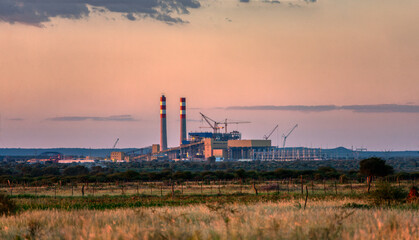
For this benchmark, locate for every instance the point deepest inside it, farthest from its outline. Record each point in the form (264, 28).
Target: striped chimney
(182, 120)
(163, 124)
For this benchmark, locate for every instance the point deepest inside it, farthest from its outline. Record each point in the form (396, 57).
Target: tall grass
(267, 220)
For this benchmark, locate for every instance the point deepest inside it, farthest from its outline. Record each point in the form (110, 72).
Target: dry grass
(283, 220)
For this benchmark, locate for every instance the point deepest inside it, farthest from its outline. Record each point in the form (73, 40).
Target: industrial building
(222, 145)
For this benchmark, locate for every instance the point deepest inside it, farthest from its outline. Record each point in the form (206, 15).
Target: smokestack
(163, 124)
(182, 120)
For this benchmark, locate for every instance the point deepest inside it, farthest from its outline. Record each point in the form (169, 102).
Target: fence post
(254, 187)
(305, 202)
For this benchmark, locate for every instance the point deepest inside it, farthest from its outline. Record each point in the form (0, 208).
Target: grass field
(323, 219)
(204, 211)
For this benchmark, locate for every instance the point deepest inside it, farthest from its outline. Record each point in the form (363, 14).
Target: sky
(82, 73)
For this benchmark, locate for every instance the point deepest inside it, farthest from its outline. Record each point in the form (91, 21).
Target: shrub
(7, 206)
(386, 193)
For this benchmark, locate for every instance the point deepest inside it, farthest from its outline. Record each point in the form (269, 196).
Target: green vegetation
(41, 174)
(77, 202)
(285, 219)
(7, 206)
(386, 193)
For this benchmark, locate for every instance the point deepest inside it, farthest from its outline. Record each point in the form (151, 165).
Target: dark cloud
(117, 118)
(244, 1)
(383, 108)
(37, 12)
(319, 108)
(16, 119)
(377, 108)
(271, 1)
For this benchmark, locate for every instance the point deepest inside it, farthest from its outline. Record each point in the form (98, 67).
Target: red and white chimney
(182, 120)
(163, 124)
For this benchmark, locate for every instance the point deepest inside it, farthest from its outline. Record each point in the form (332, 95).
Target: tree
(374, 167)
(386, 193)
(75, 170)
(211, 159)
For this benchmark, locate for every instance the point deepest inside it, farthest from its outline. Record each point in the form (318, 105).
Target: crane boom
(286, 136)
(116, 142)
(266, 137)
(236, 122)
(215, 125)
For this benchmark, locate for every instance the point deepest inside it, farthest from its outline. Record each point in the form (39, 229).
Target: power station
(199, 146)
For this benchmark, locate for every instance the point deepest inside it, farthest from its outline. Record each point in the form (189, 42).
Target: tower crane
(286, 136)
(212, 123)
(226, 122)
(116, 142)
(216, 125)
(266, 137)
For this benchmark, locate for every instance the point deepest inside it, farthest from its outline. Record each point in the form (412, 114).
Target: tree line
(51, 173)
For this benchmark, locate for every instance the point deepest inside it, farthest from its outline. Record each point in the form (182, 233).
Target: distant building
(81, 161)
(117, 156)
(155, 148)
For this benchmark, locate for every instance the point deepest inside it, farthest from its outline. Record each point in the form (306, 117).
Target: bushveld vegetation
(280, 204)
(187, 171)
(286, 219)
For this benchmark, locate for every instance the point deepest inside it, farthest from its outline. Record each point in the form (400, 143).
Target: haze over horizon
(83, 73)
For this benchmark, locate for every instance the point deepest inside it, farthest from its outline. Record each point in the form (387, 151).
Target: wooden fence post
(254, 187)
(305, 202)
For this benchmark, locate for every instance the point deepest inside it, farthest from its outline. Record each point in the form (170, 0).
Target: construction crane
(212, 123)
(286, 136)
(216, 125)
(226, 122)
(116, 142)
(266, 137)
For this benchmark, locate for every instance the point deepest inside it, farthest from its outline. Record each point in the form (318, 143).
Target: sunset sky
(82, 73)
